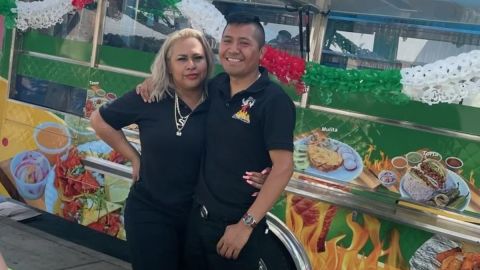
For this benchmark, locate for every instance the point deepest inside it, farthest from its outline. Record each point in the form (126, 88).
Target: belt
(203, 212)
(206, 214)
(216, 217)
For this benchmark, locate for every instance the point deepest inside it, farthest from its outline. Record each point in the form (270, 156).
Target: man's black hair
(241, 18)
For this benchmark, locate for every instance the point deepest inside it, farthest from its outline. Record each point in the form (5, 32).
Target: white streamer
(204, 16)
(444, 81)
(41, 14)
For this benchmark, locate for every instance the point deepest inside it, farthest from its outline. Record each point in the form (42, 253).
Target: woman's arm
(117, 140)
(3, 265)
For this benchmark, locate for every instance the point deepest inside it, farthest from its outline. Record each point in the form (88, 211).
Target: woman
(172, 140)
(3, 265)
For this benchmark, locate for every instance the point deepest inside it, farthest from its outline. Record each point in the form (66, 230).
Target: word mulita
(329, 129)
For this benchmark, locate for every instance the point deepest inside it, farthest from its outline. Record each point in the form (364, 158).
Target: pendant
(179, 133)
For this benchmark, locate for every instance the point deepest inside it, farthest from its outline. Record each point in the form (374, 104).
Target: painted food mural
(416, 166)
(442, 253)
(41, 165)
(67, 189)
(430, 182)
(81, 196)
(336, 238)
(318, 155)
(312, 223)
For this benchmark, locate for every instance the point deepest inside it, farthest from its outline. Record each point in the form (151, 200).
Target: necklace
(180, 120)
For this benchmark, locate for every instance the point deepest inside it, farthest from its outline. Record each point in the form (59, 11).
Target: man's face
(239, 51)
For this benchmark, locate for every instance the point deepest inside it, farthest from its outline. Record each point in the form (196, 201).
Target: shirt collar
(204, 106)
(257, 86)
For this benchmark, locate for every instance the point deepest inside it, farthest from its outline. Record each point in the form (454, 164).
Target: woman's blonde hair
(161, 80)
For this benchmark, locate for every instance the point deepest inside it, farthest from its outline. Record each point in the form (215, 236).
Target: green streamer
(383, 85)
(157, 7)
(8, 10)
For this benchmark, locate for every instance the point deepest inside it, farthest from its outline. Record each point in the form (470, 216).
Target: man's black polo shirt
(170, 164)
(240, 132)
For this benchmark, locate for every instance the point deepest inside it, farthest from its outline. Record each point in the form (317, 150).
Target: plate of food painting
(431, 183)
(439, 253)
(93, 104)
(86, 197)
(320, 156)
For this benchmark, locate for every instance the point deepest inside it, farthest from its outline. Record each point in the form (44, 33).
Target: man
(249, 127)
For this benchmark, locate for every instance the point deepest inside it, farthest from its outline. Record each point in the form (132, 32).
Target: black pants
(155, 237)
(203, 235)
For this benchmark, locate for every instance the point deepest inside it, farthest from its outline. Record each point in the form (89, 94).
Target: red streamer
(287, 68)
(79, 4)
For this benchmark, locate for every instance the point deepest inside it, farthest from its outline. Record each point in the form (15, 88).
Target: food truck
(387, 136)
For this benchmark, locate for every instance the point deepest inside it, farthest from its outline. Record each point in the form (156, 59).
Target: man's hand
(145, 90)
(233, 240)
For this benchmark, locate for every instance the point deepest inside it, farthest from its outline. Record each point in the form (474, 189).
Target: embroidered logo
(243, 115)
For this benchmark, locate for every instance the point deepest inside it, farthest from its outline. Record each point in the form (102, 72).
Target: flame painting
(310, 221)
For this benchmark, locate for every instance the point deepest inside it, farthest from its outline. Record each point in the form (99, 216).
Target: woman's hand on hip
(256, 179)
(135, 169)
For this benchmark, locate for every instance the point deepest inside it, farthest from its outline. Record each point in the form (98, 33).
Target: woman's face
(187, 64)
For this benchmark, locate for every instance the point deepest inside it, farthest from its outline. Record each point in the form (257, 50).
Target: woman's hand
(256, 179)
(145, 90)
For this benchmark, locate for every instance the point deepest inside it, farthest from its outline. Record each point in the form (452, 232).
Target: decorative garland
(41, 14)
(156, 7)
(46, 13)
(79, 4)
(444, 81)
(288, 69)
(383, 84)
(447, 81)
(8, 9)
(204, 16)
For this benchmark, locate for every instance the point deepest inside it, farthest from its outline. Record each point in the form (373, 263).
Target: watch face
(249, 220)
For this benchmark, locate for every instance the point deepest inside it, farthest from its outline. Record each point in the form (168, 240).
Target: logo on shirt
(243, 115)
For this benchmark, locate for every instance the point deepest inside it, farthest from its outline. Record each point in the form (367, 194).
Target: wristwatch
(249, 220)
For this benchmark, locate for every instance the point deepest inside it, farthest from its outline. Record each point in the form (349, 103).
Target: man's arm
(236, 235)
(282, 170)
(145, 90)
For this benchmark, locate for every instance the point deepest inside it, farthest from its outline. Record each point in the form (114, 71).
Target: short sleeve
(123, 111)
(279, 123)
